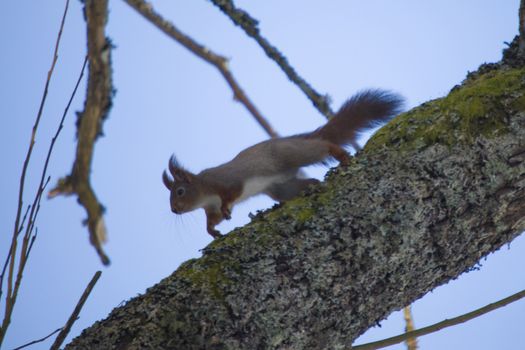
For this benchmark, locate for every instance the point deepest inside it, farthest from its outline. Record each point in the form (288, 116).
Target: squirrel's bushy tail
(364, 110)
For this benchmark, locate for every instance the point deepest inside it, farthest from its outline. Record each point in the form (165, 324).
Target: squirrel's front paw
(214, 233)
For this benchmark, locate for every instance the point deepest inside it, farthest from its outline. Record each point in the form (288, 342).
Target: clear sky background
(169, 101)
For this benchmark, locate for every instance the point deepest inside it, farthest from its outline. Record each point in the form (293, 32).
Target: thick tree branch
(219, 62)
(249, 24)
(433, 192)
(89, 124)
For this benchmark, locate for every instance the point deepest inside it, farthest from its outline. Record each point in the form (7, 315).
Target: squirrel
(273, 166)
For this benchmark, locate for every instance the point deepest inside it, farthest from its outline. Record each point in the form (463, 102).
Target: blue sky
(168, 101)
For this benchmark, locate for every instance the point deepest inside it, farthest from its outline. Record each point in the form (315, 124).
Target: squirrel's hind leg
(290, 189)
(339, 153)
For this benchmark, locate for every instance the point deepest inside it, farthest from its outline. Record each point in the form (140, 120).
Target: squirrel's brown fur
(272, 167)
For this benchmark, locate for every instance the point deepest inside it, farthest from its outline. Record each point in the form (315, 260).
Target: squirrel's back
(277, 156)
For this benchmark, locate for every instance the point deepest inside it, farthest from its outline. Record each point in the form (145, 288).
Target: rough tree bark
(434, 191)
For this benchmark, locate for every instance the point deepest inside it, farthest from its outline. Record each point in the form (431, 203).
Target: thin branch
(440, 325)
(250, 26)
(61, 124)
(74, 315)
(29, 239)
(39, 340)
(37, 121)
(22, 223)
(7, 259)
(220, 62)
(96, 109)
(32, 241)
(409, 327)
(12, 294)
(34, 214)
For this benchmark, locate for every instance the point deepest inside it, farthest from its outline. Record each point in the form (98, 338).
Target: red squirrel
(273, 167)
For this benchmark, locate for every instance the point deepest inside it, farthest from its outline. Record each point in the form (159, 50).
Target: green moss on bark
(475, 109)
(211, 275)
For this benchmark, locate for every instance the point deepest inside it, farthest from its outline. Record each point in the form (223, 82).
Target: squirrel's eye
(180, 191)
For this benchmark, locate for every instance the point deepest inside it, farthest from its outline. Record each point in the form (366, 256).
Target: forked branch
(218, 61)
(15, 264)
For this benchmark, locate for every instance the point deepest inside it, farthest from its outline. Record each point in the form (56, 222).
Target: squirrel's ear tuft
(167, 180)
(177, 171)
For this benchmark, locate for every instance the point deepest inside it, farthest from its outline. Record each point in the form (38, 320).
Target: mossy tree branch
(433, 192)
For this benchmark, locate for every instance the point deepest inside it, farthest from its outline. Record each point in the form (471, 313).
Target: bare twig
(440, 325)
(10, 250)
(22, 223)
(96, 109)
(38, 340)
(74, 315)
(409, 327)
(220, 62)
(32, 241)
(61, 124)
(250, 27)
(72, 319)
(28, 238)
(12, 291)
